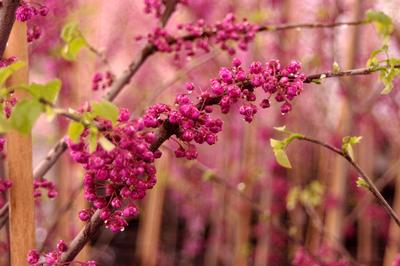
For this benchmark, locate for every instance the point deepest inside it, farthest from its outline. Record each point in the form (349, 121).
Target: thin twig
(351, 72)
(374, 190)
(164, 133)
(92, 227)
(57, 220)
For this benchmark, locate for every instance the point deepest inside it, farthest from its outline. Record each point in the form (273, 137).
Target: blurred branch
(7, 19)
(170, 6)
(280, 27)
(4, 215)
(371, 186)
(57, 220)
(311, 25)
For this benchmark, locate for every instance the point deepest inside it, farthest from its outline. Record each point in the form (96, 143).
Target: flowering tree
(119, 145)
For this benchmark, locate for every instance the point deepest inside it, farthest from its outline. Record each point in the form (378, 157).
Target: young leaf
(48, 91)
(4, 123)
(25, 114)
(276, 144)
(335, 67)
(383, 22)
(72, 48)
(280, 129)
(74, 41)
(312, 194)
(75, 130)
(373, 60)
(92, 139)
(105, 110)
(292, 197)
(106, 144)
(347, 143)
(6, 72)
(387, 76)
(362, 183)
(207, 175)
(70, 31)
(50, 113)
(281, 158)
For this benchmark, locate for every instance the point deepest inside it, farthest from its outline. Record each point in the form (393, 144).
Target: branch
(346, 73)
(374, 190)
(147, 51)
(311, 25)
(7, 19)
(57, 220)
(163, 134)
(279, 27)
(169, 9)
(4, 215)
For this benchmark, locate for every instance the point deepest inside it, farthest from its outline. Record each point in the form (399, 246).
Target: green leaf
(347, 143)
(383, 22)
(316, 81)
(75, 130)
(312, 194)
(6, 72)
(352, 139)
(74, 41)
(335, 67)
(373, 60)
(48, 91)
(72, 48)
(362, 183)
(281, 158)
(105, 110)
(92, 139)
(70, 31)
(207, 175)
(276, 144)
(25, 114)
(387, 76)
(280, 129)
(106, 144)
(50, 113)
(292, 197)
(5, 124)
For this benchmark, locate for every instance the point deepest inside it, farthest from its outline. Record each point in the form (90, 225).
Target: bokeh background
(235, 205)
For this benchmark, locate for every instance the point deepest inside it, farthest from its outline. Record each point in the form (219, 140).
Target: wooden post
(19, 165)
(151, 219)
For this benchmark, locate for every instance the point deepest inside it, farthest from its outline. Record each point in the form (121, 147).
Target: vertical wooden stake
(19, 165)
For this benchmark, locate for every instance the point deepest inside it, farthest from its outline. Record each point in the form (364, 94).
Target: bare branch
(374, 190)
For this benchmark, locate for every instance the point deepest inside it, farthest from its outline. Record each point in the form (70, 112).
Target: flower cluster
(53, 257)
(42, 183)
(102, 80)
(284, 83)
(8, 102)
(234, 85)
(26, 11)
(157, 6)
(195, 124)
(199, 36)
(4, 186)
(33, 33)
(115, 179)
(7, 61)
